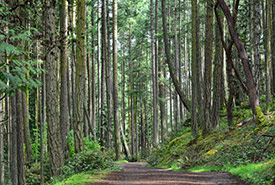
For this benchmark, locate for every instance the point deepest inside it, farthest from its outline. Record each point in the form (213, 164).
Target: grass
(85, 177)
(204, 168)
(121, 161)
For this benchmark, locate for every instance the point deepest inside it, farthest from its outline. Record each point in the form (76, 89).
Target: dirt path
(138, 173)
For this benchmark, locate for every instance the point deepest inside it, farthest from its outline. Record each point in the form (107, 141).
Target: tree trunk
(99, 69)
(64, 113)
(131, 88)
(268, 52)
(54, 135)
(20, 138)
(256, 38)
(153, 64)
(171, 66)
(273, 47)
(92, 103)
(176, 54)
(26, 128)
(80, 78)
(217, 80)
(162, 102)
(2, 172)
(103, 66)
(194, 114)
(14, 171)
(108, 81)
(155, 85)
(181, 111)
(118, 146)
(208, 65)
(123, 114)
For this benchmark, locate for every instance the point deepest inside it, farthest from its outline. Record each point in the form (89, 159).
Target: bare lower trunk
(64, 113)
(2, 172)
(20, 138)
(14, 172)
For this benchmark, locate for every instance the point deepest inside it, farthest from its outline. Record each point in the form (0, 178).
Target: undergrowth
(234, 151)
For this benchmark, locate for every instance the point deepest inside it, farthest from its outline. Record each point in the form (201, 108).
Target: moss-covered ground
(232, 150)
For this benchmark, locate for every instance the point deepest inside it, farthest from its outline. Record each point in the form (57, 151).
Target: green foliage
(15, 71)
(36, 147)
(90, 159)
(84, 178)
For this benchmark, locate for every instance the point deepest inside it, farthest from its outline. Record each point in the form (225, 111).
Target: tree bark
(108, 81)
(2, 166)
(92, 105)
(217, 80)
(131, 94)
(79, 77)
(153, 64)
(268, 53)
(99, 68)
(118, 146)
(256, 38)
(64, 113)
(26, 127)
(208, 65)
(176, 54)
(54, 135)
(194, 113)
(14, 171)
(20, 138)
(103, 66)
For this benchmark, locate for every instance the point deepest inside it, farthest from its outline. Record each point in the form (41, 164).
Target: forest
(87, 86)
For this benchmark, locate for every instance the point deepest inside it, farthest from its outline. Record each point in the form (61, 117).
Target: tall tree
(103, 66)
(118, 146)
(268, 52)
(217, 74)
(208, 64)
(108, 71)
(256, 39)
(131, 134)
(79, 79)
(93, 92)
(251, 88)
(153, 61)
(194, 115)
(54, 134)
(64, 112)
(99, 68)
(171, 65)
(176, 54)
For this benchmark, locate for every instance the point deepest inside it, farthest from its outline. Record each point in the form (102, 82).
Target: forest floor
(138, 173)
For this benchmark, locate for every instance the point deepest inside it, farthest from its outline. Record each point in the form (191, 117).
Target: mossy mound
(235, 151)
